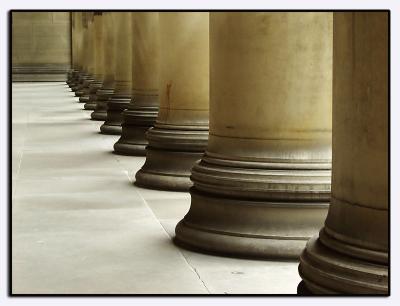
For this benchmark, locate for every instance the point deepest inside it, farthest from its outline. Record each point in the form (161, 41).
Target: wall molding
(40, 72)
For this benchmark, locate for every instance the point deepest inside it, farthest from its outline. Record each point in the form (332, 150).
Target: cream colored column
(143, 109)
(108, 45)
(76, 48)
(98, 55)
(263, 186)
(83, 55)
(90, 58)
(179, 136)
(350, 256)
(123, 74)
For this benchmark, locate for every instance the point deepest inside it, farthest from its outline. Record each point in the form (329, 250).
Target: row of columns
(238, 107)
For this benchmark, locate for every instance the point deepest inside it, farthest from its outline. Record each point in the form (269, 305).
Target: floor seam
(195, 271)
(20, 159)
(180, 252)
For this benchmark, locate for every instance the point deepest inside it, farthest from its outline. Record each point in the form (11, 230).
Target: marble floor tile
(80, 225)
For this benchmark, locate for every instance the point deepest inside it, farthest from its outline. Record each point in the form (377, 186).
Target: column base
(83, 89)
(84, 98)
(110, 129)
(248, 228)
(115, 106)
(79, 83)
(79, 93)
(72, 75)
(102, 97)
(249, 208)
(303, 290)
(74, 79)
(136, 121)
(170, 156)
(90, 104)
(167, 170)
(99, 115)
(326, 271)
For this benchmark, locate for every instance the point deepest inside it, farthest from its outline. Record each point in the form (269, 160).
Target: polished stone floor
(79, 225)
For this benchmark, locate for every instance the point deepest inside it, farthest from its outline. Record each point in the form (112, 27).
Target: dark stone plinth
(83, 88)
(137, 119)
(84, 98)
(325, 270)
(303, 290)
(170, 155)
(254, 209)
(115, 106)
(90, 104)
(77, 83)
(72, 77)
(100, 112)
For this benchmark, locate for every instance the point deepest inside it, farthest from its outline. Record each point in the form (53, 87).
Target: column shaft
(88, 63)
(98, 56)
(82, 55)
(72, 75)
(91, 60)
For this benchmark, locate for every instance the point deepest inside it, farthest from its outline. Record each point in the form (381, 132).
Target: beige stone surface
(85, 42)
(91, 50)
(77, 40)
(271, 85)
(109, 48)
(123, 52)
(360, 139)
(41, 38)
(184, 75)
(145, 53)
(358, 176)
(98, 50)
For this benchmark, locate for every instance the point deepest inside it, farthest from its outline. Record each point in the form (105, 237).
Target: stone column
(75, 45)
(350, 256)
(143, 109)
(123, 74)
(180, 134)
(84, 74)
(98, 56)
(263, 186)
(106, 91)
(90, 58)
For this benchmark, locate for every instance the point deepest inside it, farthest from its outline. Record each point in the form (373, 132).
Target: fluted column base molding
(103, 96)
(170, 156)
(83, 89)
(69, 77)
(90, 104)
(87, 90)
(324, 270)
(84, 98)
(78, 83)
(72, 77)
(254, 209)
(137, 119)
(115, 106)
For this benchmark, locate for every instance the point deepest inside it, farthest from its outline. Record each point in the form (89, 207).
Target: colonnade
(250, 111)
